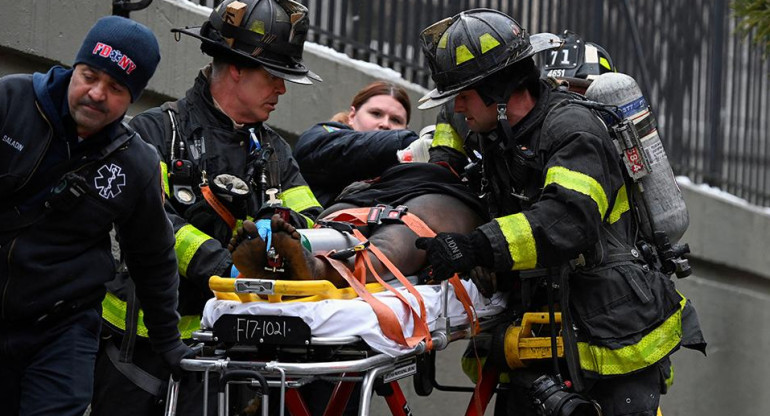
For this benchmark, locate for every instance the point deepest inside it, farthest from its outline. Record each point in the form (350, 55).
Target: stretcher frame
(375, 371)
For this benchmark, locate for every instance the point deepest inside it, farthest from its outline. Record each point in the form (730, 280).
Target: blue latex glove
(265, 232)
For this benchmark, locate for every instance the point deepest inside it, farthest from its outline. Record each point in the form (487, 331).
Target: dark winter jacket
(208, 140)
(557, 192)
(55, 232)
(333, 155)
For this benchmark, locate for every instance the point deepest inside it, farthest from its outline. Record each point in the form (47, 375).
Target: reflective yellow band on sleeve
(445, 135)
(578, 182)
(299, 198)
(621, 205)
(164, 177)
(310, 222)
(521, 242)
(188, 240)
(114, 312)
(650, 349)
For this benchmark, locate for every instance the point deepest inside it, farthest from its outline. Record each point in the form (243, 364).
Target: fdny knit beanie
(124, 49)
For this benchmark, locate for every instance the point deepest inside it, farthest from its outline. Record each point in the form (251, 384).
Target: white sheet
(336, 318)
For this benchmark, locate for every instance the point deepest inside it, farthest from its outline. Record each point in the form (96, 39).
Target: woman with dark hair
(357, 144)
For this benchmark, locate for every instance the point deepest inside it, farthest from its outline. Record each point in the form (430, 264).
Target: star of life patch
(109, 180)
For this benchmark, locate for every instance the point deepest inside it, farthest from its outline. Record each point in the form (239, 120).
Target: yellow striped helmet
(468, 47)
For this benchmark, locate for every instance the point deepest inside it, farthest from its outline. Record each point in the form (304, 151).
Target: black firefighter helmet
(468, 47)
(577, 59)
(271, 34)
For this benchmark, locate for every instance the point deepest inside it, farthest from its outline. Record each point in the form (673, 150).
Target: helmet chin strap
(499, 93)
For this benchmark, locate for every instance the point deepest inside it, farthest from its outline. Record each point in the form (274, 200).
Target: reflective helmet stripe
(521, 243)
(299, 198)
(578, 182)
(188, 240)
(488, 42)
(621, 205)
(446, 136)
(650, 349)
(114, 312)
(605, 63)
(463, 54)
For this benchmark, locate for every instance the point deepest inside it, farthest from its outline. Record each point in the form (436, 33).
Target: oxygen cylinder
(322, 240)
(663, 207)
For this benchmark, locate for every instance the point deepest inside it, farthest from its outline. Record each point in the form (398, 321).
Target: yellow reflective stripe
(650, 349)
(258, 27)
(670, 378)
(578, 182)
(164, 177)
(488, 42)
(188, 240)
(114, 312)
(310, 222)
(299, 198)
(605, 63)
(443, 41)
(621, 205)
(470, 366)
(521, 242)
(445, 135)
(463, 54)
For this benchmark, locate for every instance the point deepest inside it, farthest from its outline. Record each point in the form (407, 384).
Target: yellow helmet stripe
(463, 54)
(488, 42)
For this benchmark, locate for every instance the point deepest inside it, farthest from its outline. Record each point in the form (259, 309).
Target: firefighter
(551, 180)
(70, 172)
(224, 165)
(357, 144)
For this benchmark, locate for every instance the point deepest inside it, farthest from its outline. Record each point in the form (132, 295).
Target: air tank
(323, 240)
(662, 204)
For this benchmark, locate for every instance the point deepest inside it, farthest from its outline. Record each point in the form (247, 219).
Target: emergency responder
(223, 163)
(357, 144)
(70, 171)
(573, 70)
(553, 184)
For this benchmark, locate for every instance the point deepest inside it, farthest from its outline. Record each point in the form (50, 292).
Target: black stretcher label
(262, 330)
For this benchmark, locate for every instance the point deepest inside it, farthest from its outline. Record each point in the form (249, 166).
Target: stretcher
(253, 334)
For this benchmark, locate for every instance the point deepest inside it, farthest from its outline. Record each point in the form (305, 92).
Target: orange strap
(358, 216)
(218, 207)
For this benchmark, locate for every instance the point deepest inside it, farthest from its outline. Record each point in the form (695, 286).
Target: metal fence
(708, 87)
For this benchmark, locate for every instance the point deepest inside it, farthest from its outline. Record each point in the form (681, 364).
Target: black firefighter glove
(173, 358)
(450, 253)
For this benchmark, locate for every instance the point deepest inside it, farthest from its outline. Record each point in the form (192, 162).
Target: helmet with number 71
(577, 59)
(468, 47)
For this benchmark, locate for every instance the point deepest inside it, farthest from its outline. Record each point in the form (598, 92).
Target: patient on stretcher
(430, 192)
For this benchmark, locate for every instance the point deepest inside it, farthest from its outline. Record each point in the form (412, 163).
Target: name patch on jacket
(13, 143)
(109, 180)
(106, 51)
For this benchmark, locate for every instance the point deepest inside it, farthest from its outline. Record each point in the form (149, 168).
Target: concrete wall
(36, 33)
(729, 239)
